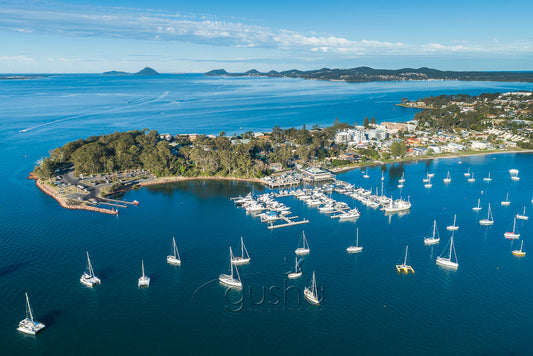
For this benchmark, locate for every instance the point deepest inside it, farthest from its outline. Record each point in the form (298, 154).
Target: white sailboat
(487, 179)
(428, 183)
(366, 174)
(471, 179)
(243, 258)
(28, 325)
(512, 234)
(356, 248)
(489, 220)
(402, 180)
(435, 238)
(448, 258)
(382, 176)
(311, 292)
(427, 179)
(174, 257)
(453, 227)
(431, 175)
(522, 216)
(297, 271)
(477, 207)
(520, 252)
(467, 174)
(232, 280)
(144, 281)
(514, 175)
(302, 249)
(88, 278)
(448, 179)
(404, 267)
(506, 202)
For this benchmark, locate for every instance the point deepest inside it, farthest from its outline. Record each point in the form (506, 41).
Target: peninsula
(367, 74)
(83, 174)
(144, 71)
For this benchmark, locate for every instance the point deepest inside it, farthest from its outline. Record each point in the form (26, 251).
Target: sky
(182, 36)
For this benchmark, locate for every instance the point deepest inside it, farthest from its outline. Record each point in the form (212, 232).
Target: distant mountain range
(144, 71)
(367, 74)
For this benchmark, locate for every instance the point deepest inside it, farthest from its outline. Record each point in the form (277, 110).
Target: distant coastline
(367, 74)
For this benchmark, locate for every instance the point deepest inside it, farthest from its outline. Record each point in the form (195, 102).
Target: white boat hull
(452, 228)
(485, 222)
(229, 281)
(240, 261)
(511, 235)
(516, 179)
(476, 208)
(522, 217)
(173, 261)
(505, 203)
(89, 281)
(310, 297)
(431, 241)
(29, 327)
(144, 282)
(354, 249)
(302, 251)
(446, 180)
(294, 275)
(444, 262)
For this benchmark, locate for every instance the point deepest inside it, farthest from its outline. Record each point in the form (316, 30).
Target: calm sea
(485, 307)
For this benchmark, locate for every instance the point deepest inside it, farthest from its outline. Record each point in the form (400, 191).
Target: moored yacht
(232, 280)
(356, 248)
(243, 258)
(448, 258)
(28, 325)
(88, 278)
(302, 249)
(174, 257)
(453, 227)
(435, 238)
(311, 292)
(144, 281)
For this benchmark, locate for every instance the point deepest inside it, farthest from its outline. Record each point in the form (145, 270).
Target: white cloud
(152, 25)
(16, 59)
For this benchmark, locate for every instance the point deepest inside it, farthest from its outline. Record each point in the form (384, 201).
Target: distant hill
(367, 74)
(115, 72)
(144, 71)
(216, 72)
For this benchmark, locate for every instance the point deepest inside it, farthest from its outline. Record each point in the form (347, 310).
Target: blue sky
(196, 36)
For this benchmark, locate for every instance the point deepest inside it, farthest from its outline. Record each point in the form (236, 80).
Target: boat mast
(434, 227)
(357, 238)
(91, 272)
(142, 264)
(451, 247)
(28, 309)
(405, 260)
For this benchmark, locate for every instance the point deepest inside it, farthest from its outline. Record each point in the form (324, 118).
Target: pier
(289, 222)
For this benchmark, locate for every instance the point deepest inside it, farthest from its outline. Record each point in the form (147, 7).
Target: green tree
(366, 124)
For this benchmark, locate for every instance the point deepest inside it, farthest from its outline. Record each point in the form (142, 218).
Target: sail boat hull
(354, 249)
(143, 282)
(452, 228)
(237, 260)
(511, 235)
(310, 297)
(302, 251)
(173, 260)
(294, 275)
(229, 281)
(444, 262)
(431, 241)
(88, 280)
(29, 327)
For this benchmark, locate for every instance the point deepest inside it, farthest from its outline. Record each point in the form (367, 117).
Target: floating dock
(289, 222)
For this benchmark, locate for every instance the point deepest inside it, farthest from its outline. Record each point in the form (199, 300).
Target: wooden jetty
(289, 222)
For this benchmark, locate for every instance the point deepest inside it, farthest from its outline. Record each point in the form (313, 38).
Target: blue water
(482, 308)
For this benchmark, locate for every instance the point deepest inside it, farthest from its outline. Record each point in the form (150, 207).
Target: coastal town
(84, 174)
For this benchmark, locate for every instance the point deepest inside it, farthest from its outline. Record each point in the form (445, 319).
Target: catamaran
(489, 220)
(478, 207)
(356, 248)
(243, 258)
(28, 325)
(88, 278)
(448, 259)
(402, 180)
(520, 252)
(435, 238)
(144, 281)
(512, 234)
(404, 267)
(453, 227)
(311, 293)
(522, 216)
(506, 202)
(487, 179)
(471, 179)
(297, 271)
(232, 280)
(174, 257)
(448, 179)
(467, 174)
(302, 249)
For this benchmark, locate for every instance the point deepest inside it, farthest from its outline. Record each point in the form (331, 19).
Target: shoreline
(63, 203)
(414, 159)
(164, 180)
